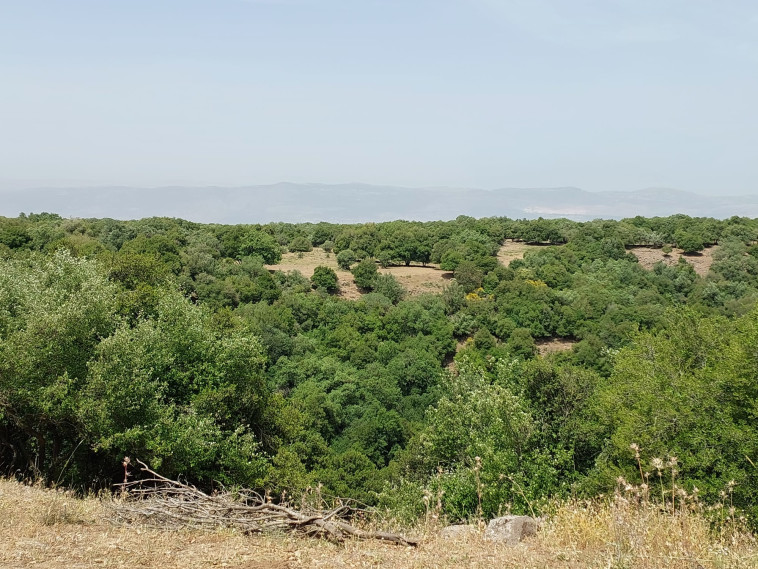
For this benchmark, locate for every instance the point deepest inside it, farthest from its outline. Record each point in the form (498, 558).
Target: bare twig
(161, 502)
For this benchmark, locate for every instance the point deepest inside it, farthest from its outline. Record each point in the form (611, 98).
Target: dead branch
(158, 501)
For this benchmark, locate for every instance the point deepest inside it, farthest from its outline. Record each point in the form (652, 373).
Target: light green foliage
(53, 313)
(687, 391)
(481, 428)
(175, 392)
(167, 390)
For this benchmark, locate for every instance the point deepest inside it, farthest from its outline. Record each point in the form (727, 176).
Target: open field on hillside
(419, 279)
(44, 528)
(416, 279)
(649, 256)
(551, 345)
(511, 250)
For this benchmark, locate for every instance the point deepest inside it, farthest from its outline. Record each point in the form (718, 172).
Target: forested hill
(349, 203)
(181, 344)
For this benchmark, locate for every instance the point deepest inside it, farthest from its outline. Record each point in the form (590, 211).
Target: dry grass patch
(306, 263)
(621, 533)
(552, 345)
(416, 279)
(511, 250)
(649, 256)
(419, 280)
(593, 534)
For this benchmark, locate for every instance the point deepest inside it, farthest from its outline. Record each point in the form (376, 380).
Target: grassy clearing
(649, 256)
(46, 528)
(511, 250)
(551, 345)
(416, 279)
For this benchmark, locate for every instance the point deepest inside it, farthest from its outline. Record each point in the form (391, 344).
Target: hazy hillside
(345, 203)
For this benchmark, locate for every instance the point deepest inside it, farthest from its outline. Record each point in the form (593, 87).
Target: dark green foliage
(239, 241)
(175, 343)
(468, 275)
(689, 242)
(14, 233)
(325, 279)
(521, 343)
(345, 258)
(388, 286)
(301, 244)
(365, 274)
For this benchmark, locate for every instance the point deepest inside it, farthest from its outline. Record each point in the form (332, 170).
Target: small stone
(510, 529)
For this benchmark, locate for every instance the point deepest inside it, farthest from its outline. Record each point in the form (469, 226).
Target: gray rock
(459, 531)
(510, 529)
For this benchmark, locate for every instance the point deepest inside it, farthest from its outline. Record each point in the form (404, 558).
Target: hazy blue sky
(605, 94)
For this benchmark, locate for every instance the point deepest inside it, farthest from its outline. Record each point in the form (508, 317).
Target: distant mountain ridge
(357, 203)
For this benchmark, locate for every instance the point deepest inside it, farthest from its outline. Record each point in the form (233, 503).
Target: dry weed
(614, 533)
(628, 533)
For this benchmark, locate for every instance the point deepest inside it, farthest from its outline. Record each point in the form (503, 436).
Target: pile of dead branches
(168, 504)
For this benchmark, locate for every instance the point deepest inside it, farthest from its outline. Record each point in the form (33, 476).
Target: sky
(601, 95)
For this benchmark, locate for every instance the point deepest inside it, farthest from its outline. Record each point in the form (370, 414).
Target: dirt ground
(649, 256)
(416, 279)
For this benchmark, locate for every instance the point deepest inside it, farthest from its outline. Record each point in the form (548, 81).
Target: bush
(384, 258)
(324, 279)
(345, 258)
(300, 244)
(521, 343)
(388, 286)
(468, 275)
(689, 243)
(365, 274)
